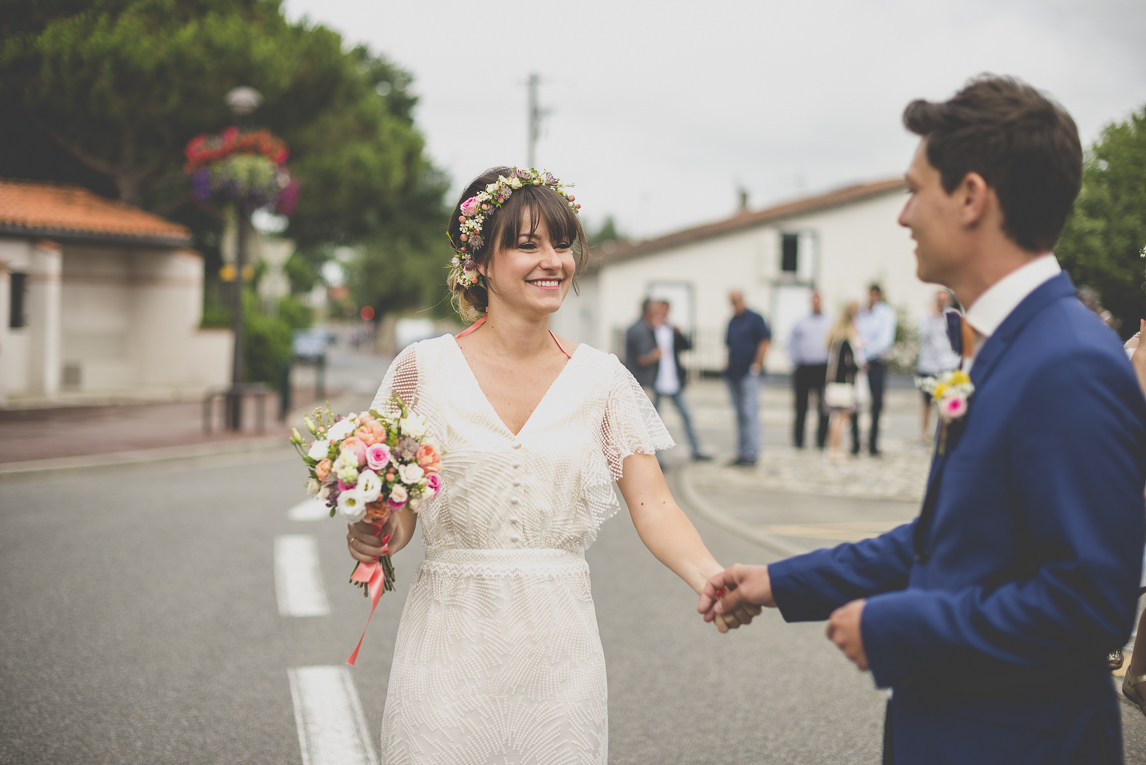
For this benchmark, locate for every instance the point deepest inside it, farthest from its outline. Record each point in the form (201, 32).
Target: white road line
(309, 510)
(298, 582)
(331, 727)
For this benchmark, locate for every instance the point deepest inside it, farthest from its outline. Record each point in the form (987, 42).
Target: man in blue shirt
(808, 349)
(747, 339)
(876, 327)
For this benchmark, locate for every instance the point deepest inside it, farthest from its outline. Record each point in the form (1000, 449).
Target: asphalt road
(139, 624)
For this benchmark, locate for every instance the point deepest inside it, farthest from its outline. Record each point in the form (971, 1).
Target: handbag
(838, 395)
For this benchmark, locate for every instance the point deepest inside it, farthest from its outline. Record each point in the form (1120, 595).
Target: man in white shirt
(876, 326)
(670, 376)
(808, 350)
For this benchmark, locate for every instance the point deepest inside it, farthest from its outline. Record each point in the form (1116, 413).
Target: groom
(991, 614)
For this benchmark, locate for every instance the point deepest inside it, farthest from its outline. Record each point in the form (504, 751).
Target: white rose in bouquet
(340, 430)
(313, 486)
(369, 485)
(351, 506)
(413, 426)
(410, 474)
(318, 450)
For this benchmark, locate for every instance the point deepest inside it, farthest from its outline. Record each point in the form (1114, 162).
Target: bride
(498, 658)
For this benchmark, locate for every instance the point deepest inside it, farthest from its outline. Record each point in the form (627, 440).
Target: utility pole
(536, 114)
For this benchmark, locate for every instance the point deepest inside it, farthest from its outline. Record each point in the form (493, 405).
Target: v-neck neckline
(493, 410)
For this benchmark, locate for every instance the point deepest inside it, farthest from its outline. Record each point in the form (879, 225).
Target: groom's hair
(1024, 145)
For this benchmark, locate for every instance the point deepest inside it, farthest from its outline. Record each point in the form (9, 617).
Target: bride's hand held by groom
(737, 589)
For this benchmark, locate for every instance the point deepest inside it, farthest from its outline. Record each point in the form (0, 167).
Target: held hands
(742, 590)
(734, 596)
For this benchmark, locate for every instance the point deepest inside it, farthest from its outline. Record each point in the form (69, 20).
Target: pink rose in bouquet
(428, 458)
(353, 450)
(371, 433)
(377, 456)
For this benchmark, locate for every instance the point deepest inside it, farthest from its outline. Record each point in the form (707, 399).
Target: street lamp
(242, 102)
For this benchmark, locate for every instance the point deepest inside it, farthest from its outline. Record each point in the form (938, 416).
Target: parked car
(310, 344)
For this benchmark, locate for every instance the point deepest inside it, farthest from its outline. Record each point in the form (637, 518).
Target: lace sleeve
(631, 424)
(401, 379)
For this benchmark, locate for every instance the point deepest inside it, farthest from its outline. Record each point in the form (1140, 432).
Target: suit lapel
(993, 349)
(998, 343)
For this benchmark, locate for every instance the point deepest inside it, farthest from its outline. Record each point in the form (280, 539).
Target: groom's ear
(975, 199)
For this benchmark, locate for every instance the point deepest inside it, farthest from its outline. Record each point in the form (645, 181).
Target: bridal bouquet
(365, 466)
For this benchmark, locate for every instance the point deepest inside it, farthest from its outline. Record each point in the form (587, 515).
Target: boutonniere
(950, 391)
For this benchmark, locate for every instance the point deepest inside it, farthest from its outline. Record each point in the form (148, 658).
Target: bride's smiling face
(534, 275)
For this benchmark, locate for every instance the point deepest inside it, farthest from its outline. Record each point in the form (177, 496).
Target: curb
(143, 456)
(248, 445)
(702, 507)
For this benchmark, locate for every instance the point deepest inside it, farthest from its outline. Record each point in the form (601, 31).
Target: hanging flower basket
(247, 169)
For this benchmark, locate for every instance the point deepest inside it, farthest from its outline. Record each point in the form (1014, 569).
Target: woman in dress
(840, 391)
(498, 657)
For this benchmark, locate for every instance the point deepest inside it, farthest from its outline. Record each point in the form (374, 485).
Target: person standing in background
(641, 351)
(935, 354)
(808, 350)
(748, 338)
(671, 376)
(876, 326)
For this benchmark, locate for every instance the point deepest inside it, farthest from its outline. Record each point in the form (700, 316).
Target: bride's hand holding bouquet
(368, 467)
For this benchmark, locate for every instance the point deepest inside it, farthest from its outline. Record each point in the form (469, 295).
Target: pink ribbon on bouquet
(371, 575)
(374, 578)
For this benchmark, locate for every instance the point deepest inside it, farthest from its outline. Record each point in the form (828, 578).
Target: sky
(659, 112)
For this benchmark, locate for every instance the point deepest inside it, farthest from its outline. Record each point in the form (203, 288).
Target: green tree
(108, 92)
(1104, 240)
(607, 232)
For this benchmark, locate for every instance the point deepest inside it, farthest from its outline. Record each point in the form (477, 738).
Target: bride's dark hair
(504, 227)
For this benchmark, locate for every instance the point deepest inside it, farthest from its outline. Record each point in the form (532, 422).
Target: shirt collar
(1004, 296)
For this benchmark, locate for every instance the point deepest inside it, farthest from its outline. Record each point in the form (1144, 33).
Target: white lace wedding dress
(498, 657)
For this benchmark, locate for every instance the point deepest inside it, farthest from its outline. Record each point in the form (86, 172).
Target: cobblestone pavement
(900, 474)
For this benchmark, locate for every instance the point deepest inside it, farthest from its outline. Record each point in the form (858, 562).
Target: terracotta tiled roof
(72, 212)
(743, 220)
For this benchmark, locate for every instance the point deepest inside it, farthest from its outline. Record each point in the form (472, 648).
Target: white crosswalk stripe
(331, 726)
(309, 510)
(298, 579)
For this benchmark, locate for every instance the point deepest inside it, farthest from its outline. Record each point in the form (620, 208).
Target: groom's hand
(844, 630)
(735, 589)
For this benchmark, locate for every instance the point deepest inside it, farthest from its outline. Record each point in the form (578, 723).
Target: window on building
(16, 300)
(789, 253)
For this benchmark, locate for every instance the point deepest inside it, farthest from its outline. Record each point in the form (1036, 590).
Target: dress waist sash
(502, 563)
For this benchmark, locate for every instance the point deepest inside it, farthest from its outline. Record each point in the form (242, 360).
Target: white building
(836, 243)
(97, 296)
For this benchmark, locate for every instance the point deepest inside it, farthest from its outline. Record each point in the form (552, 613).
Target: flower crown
(476, 209)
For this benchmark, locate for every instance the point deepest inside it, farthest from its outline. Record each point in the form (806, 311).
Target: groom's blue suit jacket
(991, 614)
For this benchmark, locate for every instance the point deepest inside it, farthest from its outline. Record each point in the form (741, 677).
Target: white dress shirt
(808, 343)
(1004, 296)
(876, 327)
(667, 382)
